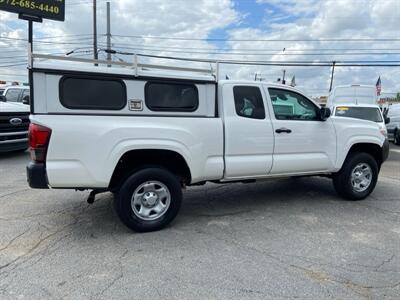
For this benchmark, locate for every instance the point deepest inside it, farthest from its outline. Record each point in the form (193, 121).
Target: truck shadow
(220, 201)
(224, 200)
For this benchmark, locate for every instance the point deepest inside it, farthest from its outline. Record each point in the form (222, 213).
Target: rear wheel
(149, 199)
(358, 176)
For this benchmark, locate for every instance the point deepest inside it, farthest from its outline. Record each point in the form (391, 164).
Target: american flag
(378, 86)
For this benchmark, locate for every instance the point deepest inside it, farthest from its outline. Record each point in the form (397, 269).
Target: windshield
(364, 113)
(1, 91)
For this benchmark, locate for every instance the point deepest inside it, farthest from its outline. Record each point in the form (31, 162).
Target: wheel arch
(372, 149)
(136, 159)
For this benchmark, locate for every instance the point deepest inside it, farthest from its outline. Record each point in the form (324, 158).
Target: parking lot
(278, 239)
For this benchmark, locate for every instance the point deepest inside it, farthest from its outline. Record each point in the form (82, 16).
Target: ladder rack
(136, 66)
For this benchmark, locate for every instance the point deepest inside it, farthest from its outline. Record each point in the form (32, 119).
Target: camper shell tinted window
(92, 93)
(171, 96)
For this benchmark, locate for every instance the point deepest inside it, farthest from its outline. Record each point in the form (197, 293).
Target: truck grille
(15, 131)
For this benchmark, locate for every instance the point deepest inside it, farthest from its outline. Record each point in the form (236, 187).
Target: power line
(353, 63)
(88, 37)
(14, 75)
(64, 36)
(265, 53)
(218, 51)
(260, 40)
(258, 49)
(14, 65)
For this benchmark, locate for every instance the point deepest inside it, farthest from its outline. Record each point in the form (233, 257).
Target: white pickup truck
(146, 135)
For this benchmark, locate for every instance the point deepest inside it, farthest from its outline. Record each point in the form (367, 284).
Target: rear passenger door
(249, 138)
(303, 143)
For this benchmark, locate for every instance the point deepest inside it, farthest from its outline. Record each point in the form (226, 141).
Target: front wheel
(149, 199)
(357, 178)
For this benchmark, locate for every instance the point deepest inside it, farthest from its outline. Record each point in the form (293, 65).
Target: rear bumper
(385, 150)
(36, 174)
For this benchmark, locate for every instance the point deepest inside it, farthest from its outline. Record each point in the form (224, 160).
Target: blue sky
(253, 14)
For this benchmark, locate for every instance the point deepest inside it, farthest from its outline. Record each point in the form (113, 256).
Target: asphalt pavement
(278, 239)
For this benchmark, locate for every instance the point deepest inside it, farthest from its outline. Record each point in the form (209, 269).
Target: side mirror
(387, 120)
(3, 98)
(324, 113)
(26, 100)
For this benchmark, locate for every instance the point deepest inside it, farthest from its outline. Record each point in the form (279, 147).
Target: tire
(396, 137)
(355, 165)
(149, 199)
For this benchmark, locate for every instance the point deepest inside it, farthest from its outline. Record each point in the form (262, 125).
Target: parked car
(393, 126)
(14, 124)
(19, 94)
(145, 135)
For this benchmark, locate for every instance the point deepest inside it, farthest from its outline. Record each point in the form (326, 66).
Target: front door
(303, 143)
(249, 139)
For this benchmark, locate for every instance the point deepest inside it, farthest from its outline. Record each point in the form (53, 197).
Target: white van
(353, 94)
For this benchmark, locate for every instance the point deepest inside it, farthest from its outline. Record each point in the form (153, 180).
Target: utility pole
(108, 34)
(95, 54)
(333, 71)
(30, 72)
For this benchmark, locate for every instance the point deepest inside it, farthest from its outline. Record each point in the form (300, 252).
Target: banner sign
(46, 9)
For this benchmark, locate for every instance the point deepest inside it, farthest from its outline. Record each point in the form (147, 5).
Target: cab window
(249, 102)
(290, 105)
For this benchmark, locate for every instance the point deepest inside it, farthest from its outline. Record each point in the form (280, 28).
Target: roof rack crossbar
(135, 65)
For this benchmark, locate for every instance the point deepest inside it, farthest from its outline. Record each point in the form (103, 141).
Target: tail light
(39, 137)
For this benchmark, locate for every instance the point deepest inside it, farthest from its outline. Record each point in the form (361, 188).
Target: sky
(255, 30)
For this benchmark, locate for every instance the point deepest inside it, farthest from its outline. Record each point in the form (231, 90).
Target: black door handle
(281, 130)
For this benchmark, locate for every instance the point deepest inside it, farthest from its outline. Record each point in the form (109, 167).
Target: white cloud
(284, 19)
(329, 19)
